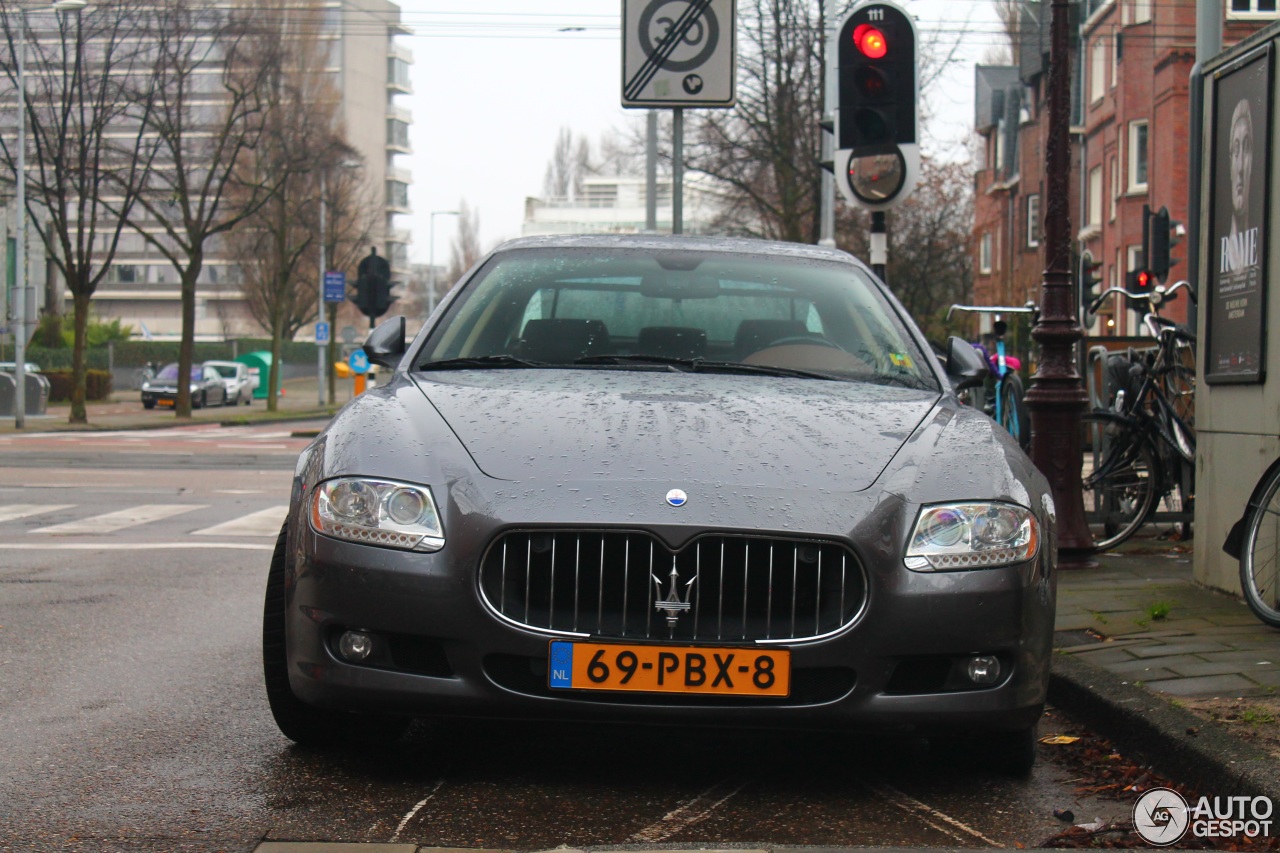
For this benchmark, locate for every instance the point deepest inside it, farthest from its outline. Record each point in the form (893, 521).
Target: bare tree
(208, 112)
(930, 265)
(570, 163)
(765, 150)
(465, 250)
(89, 97)
(300, 140)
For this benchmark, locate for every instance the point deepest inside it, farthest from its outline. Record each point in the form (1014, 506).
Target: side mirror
(385, 344)
(964, 364)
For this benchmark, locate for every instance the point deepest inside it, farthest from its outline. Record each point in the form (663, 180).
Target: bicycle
(1255, 541)
(1140, 452)
(1002, 397)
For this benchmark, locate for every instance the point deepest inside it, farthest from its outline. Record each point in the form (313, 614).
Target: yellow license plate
(165, 402)
(731, 671)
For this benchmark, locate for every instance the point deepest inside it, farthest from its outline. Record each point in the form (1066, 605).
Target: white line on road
(119, 520)
(925, 812)
(136, 546)
(413, 811)
(688, 814)
(264, 522)
(16, 511)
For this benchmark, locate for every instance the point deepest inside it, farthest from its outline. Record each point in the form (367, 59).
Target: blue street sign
(322, 333)
(359, 362)
(335, 286)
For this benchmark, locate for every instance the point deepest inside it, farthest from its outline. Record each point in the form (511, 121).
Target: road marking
(688, 814)
(237, 491)
(16, 511)
(136, 546)
(925, 812)
(112, 521)
(264, 522)
(413, 811)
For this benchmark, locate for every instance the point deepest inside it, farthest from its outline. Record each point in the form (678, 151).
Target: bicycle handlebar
(1155, 297)
(1029, 308)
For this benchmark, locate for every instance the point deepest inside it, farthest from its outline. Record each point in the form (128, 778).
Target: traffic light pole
(879, 245)
(677, 170)
(1057, 396)
(320, 313)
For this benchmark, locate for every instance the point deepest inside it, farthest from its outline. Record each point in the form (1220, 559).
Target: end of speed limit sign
(678, 53)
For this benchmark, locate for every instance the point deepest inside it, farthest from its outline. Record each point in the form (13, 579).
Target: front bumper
(451, 656)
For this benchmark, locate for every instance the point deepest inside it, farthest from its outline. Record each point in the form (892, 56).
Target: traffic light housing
(1160, 234)
(373, 296)
(877, 158)
(1090, 278)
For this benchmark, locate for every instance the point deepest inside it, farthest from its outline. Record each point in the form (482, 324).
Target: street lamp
(20, 255)
(431, 258)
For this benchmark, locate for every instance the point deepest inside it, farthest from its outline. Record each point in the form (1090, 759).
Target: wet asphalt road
(132, 719)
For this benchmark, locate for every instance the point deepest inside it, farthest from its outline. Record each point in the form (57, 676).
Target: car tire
(307, 725)
(198, 402)
(148, 404)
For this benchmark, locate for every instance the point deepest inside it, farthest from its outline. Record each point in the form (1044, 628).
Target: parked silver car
(236, 379)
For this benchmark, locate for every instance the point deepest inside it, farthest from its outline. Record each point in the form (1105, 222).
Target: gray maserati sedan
(688, 481)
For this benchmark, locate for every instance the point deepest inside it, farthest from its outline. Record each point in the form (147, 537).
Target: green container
(259, 365)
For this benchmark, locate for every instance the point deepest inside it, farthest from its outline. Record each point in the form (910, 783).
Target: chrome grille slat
(526, 577)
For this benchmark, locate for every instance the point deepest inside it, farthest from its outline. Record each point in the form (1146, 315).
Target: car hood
(584, 426)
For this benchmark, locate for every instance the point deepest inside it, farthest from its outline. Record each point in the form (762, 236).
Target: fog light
(984, 669)
(356, 645)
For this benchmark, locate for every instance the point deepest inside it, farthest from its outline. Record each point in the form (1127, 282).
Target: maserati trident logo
(677, 497)
(673, 605)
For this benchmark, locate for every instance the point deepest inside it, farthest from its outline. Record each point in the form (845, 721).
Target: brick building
(1130, 113)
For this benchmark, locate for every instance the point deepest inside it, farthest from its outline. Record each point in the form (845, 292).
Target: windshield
(226, 371)
(612, 308)
(170, 373)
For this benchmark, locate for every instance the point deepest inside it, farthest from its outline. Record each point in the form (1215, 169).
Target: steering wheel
(804, 339)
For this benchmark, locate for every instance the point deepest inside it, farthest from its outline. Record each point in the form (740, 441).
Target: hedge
(139, 353)
(97, 385)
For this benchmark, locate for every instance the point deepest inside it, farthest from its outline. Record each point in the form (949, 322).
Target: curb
(1198, 752)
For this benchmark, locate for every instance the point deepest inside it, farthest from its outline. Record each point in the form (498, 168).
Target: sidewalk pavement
(1137, 637)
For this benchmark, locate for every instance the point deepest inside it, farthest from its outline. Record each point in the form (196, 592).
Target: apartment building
(1129, 137)
(369, 68)
(617, 205)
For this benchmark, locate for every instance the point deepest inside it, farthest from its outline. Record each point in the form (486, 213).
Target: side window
(813, 321)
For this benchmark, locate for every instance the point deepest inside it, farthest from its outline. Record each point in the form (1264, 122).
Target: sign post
(335, 286)
(677, 54)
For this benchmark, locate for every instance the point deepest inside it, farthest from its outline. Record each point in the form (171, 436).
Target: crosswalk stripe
(120, 519)
(15, 511)
(265, 522)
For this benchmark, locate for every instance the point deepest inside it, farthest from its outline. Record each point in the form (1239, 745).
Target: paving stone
(1250, 657)
(1137, 670)
(1159, 650)
(1206, 685)
(1204, 667)
(332, 847)
(1101, 654)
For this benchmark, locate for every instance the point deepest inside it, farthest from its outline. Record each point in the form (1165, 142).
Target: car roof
(226, 364)
(662, 242)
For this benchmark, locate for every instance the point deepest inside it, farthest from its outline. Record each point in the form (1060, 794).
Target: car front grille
(628, 585)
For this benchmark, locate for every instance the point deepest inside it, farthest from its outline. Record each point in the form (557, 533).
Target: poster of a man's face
(1241, 149)
(1238, 220)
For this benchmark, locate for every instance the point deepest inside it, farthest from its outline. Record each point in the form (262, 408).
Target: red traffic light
(1144, 279)
(870, 41)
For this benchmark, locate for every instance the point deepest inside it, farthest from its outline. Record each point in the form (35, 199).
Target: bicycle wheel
(1013, 410)
(1119, 478)
(1259, 566)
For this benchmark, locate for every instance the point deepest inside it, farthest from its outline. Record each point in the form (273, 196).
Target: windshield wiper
(701, 365)
(481, 361)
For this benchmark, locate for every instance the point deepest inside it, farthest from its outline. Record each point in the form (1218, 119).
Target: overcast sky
(495, 80)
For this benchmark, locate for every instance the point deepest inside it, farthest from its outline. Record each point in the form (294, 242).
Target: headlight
(377, 512)
(949, 537)
(146, 386)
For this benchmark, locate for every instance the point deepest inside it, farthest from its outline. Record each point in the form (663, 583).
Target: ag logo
(1160, 816)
